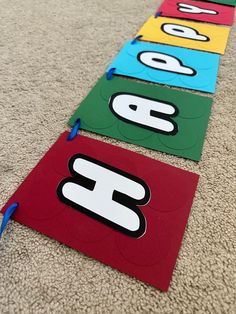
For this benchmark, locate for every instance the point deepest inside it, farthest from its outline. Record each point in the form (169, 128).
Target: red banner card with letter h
(124, 209)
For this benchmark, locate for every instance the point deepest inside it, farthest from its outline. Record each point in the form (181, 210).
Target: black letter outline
(166, 54)
(207, 38)
(118, 197)
(178, 8)
(159, 115)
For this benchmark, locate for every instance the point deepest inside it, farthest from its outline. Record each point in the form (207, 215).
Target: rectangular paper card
(227, 2)
(199, 11)
(128, 212)
(159, 118)
(168, 65)
(175, 32)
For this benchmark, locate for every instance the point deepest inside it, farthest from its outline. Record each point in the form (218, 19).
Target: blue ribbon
(135, 39)
(74, 130)
(158, 14)
(110, 73)
(6, 217)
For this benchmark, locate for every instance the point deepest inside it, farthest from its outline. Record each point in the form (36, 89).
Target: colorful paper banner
(169, 65)
(119, 207)
(159, 118)
(199, 11)
(128, 212)
(199, 36)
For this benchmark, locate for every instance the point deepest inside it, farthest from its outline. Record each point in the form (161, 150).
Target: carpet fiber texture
(52, 53)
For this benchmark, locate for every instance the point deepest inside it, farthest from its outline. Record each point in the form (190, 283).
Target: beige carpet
(51, 54)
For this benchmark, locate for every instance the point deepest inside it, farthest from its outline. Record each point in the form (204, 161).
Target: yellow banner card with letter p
(193, 35)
